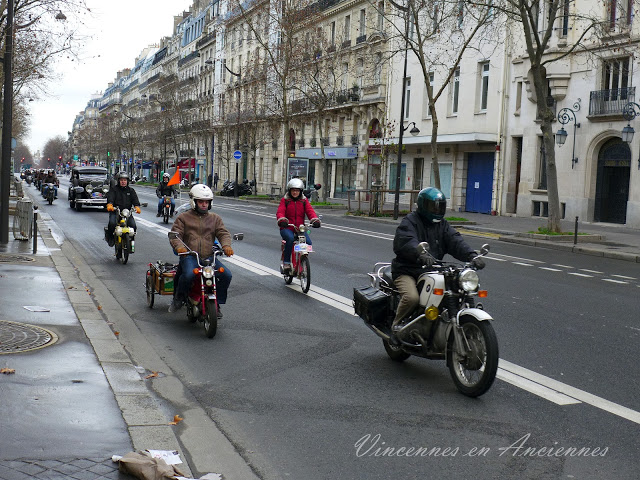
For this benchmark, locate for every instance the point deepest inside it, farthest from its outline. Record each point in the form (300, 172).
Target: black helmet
(432, 204)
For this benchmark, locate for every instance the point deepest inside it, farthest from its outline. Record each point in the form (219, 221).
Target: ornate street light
(565, 116)
(630, 111)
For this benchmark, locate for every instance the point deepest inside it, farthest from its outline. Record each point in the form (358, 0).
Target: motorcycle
(447, 325)
(50, 192)
(308, 192)
(202, 304)
(166, 208)
(123, 235)
(229, 186)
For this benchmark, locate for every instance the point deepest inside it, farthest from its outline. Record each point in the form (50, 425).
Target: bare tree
(53, 149)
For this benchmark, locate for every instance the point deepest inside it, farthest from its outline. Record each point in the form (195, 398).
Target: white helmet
(200, 192)
(166, 176)
(295, 183)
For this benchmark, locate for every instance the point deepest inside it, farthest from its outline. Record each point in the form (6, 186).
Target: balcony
(312, 142)
(325, 141)
(354, 140)
(301, 143)
(346, 43)
(340, 140)
(610, 102)
(361, 39)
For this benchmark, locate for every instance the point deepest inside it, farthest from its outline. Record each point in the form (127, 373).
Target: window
(407, 98)
(377, 74)
(518, 97)
(363, 22)
(393, 174)
(542, 166)
(620, 14)
(333, 33)
(455, 91)
(460, 13)
(224, 70)
(425, 106)
(380, 16)
(484, 85)
(359, 72)
(564, 30)
(347, 28)
(616, 78)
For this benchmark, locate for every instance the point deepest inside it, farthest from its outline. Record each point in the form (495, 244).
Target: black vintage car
(89, 187)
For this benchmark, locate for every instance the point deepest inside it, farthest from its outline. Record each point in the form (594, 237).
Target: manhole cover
(21, 337)
(15, 258)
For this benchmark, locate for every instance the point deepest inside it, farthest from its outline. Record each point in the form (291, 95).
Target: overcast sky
(119, 30)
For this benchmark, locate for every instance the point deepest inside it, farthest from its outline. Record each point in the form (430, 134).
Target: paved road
(303, 390)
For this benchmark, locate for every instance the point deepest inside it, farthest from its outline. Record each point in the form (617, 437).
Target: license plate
(96, 195)
(303, 247)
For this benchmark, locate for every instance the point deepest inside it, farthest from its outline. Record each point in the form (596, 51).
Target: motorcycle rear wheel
(150, 291)
(50, 200)
(304, 272)
(474, 374)
(165, 215)
(395, 353)
(210, 319)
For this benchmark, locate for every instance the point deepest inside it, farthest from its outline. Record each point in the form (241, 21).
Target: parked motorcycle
(229, 186)
(202, 303)
(447, 325)
(123, 235)
(308, 192)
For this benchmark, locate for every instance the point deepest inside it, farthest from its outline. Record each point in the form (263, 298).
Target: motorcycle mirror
(238, 236)
(423, 247)
(317, 186)
(484, 249)
(173, 235)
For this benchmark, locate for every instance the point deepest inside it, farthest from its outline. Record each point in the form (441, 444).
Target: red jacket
(295, 210)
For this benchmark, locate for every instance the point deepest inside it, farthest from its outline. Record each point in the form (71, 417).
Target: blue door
(479, 182)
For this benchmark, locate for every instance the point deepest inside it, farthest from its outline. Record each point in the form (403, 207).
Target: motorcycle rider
(426, 224)
(51, 178)
(292, 209)
(168, 190)
(122, 196)
(198, 228)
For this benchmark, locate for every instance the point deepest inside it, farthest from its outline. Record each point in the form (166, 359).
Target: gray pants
(406, 285)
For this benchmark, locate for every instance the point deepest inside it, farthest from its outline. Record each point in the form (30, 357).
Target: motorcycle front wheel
(304, 272)
(126, 246)
(210, 319)
(288, 277)
(165, 217)
(473, 372)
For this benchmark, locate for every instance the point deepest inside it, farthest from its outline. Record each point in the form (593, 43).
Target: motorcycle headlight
(88, 189)
(125, 212)
(118, 231)
(207, 272)
(469, 280)
(303, 229)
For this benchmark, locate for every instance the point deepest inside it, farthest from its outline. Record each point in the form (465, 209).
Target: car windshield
(90, 176)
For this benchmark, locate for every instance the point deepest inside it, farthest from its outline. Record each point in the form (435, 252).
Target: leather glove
(181, 249)
(315, 223)
(110, 207)
(138, 210)
(228, 251)
(426, 259)
(478, 263)
(283, 222)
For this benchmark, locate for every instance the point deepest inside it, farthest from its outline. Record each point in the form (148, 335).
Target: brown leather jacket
(199, 232)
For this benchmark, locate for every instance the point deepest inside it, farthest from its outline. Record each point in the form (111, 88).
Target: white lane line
(561, 266)
(626, 278)
(523, 264)
(535, 388)
(614, 281)
(579, 274)
(528, 260)
(496, 259)
(573, 392)
(591, 271)
(550, 269)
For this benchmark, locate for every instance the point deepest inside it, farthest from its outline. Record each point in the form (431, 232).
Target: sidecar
(160, 280)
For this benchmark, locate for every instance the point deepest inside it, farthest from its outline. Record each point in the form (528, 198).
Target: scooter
(447, 325)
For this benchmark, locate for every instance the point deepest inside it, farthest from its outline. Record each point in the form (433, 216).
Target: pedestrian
(215, 181)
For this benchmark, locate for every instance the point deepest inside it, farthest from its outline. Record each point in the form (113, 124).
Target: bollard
(575, 233)
(35, 229)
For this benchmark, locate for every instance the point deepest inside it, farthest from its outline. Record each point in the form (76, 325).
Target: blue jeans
(288, 236)
(161, 203)
(186, 278)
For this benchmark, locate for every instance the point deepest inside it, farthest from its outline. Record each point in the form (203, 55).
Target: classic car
(89, 187)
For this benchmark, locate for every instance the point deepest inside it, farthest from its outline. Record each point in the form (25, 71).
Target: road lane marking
(523, 264)
(580, 274)
(614, 281)
(528, 260)
(550, 269)
(535, 388)
(591, 271)
(561, 266)
(625, 277)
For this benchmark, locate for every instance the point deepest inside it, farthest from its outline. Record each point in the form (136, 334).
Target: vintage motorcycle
(49, 192)
(166, 208)
(123, 235)
(202, 303)
(447, 325)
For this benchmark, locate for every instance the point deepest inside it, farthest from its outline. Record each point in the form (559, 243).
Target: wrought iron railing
(354, 140)
(610, 102)
(340, 140)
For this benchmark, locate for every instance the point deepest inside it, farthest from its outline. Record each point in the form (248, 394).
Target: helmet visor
(437, 207)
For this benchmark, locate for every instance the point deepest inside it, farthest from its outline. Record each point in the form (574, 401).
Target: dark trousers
(186, 277)
(289, 236)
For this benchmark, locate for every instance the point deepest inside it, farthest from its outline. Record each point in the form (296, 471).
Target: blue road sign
(237, 154)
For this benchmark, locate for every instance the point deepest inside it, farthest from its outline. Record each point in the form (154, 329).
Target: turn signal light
(196, 271)
(483, 293)
(221, 269)
(438, 291)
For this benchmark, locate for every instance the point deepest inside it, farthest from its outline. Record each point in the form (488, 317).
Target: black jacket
(442, 238)
(164, 189)
(123, 197)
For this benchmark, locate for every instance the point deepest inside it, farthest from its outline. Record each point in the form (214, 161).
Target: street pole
(396, 201)
(7, 114)
(235, 190)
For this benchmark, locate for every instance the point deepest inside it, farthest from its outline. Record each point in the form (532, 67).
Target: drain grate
(21, 337)
(8, 258)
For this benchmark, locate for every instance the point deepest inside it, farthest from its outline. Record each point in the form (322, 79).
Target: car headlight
(469, 280)
(207, 272)
(105, 189)
(88, 189)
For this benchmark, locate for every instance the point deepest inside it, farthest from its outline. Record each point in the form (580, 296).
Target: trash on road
(144, 466)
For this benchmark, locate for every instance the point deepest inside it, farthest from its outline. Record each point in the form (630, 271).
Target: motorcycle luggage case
(372, 305)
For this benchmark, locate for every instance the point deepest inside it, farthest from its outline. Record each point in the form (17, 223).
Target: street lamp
(414, 131)
(235, 190)
(565, 116)
(630, 111)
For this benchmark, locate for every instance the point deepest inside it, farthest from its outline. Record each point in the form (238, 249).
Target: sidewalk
(73, 393)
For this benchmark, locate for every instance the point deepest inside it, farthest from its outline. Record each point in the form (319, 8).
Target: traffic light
(108, 154)
(60, 157)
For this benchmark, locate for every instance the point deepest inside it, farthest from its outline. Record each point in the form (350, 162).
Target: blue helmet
(432, 204)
